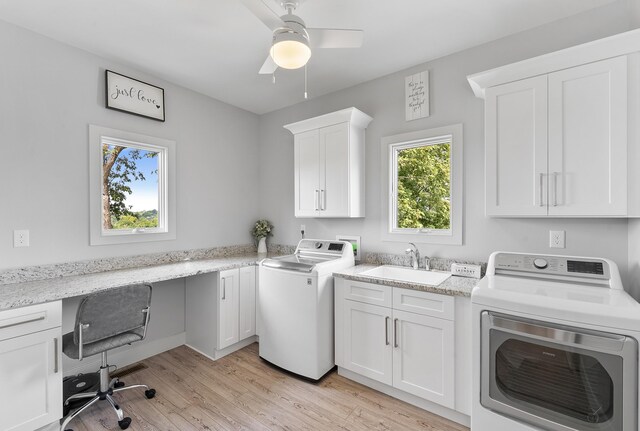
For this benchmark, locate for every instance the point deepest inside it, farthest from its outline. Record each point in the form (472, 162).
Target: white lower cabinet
(423, 357)
(366, 335)
(228, 305)
(30, 367)
(412, 351)
(247, 306)
(221, 311)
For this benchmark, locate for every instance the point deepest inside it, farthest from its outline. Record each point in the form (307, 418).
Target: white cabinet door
(516, 148)
(367, 341)
(423, 357)
(307, 173)
(31, 393)
(247, 318)
(588, 139)
(334, 170)
(228, 307)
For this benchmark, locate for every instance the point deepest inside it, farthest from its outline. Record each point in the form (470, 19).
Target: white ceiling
(216, 47)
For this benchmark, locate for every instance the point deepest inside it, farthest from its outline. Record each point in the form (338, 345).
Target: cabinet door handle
(224, 288)
(22, 323)
(317, 198)
(323, 200)
(395, 333)
(386, 330)
(55, 355)
(555, 189)
(541, 182)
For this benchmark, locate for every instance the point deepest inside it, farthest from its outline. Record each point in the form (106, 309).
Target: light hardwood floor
(242, 392)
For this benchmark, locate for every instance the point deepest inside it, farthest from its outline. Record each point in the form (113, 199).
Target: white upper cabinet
(516, 148)
(588, 140)
(556, 141)
(329, 164)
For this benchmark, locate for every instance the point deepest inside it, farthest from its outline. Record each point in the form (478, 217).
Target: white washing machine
(555, 346)
(295, 306)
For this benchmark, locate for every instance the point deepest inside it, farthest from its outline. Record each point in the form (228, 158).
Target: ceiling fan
(292, 40)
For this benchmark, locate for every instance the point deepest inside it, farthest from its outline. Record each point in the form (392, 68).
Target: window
(131, 195)
(424, 186)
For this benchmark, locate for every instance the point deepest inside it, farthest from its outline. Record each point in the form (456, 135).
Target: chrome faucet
(415, 255)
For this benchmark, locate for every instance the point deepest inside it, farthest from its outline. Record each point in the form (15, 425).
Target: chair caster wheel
(150, 393)
(118, 384)
(124, 423)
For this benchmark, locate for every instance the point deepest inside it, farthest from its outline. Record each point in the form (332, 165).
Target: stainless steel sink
(409, 275)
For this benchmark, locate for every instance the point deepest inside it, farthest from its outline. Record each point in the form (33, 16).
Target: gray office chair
(104, 321)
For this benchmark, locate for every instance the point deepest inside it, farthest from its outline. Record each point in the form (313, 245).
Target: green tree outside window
(424, 187)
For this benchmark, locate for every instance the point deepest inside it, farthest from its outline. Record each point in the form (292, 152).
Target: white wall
(49, 94)
(452, 101)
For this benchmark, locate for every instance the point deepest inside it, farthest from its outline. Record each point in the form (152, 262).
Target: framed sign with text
(416, 93)
(135, 97)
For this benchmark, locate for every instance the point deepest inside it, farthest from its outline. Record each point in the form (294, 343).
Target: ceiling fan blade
(335, 38)
(263, 13)
(268, 67)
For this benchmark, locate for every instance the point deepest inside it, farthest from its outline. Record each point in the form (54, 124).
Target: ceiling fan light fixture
(290, 50)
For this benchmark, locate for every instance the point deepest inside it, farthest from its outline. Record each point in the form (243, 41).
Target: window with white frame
(131, 195)
(424, 186)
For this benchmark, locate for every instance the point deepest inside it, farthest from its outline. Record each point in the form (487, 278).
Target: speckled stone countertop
(454, 286)
(35, 292)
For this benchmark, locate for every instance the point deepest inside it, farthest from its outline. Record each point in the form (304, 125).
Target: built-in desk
(53, 289)
(32, 322)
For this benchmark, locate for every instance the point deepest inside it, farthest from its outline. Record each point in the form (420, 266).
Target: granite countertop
(454, 286)
(52, 289)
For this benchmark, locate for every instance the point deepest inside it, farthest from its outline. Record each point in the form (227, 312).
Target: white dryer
(555, 346)
(295, 306)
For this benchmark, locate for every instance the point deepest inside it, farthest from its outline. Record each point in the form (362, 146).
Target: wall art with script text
(135, 97)
(416, 93)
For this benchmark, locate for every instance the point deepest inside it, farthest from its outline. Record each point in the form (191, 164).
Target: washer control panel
(314, 245)
(552, 265)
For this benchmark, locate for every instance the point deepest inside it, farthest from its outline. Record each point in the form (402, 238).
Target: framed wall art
(416, 96)
(133, 96)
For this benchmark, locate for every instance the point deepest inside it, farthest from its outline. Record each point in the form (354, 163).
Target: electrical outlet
(21, 238)
(556, 238)
(465, 270)
(303, 228)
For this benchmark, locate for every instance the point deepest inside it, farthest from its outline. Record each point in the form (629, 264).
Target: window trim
(166, 185)
(390, 145)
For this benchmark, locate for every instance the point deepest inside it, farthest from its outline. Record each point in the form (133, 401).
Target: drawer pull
(36, 319)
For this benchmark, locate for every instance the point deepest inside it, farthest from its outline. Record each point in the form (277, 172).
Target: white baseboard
(224, 352)
(445, 412)
(131, 355)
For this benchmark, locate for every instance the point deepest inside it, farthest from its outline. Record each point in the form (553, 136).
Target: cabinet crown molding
(601, 49)
(352, 115)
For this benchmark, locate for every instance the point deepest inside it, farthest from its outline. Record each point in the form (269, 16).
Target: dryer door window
(572, 384)
(558, 377)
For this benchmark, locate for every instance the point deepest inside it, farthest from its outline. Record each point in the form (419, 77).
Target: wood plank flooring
(242, 392)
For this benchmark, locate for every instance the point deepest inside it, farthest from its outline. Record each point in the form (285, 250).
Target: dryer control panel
(566, 266)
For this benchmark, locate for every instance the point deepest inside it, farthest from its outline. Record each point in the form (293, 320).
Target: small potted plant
(261, 230)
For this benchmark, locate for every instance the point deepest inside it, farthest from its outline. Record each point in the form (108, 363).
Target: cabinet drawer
(368, 293)
(425, 303)
(27, 320)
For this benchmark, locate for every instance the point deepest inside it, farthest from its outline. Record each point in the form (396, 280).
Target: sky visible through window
(144, 194)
